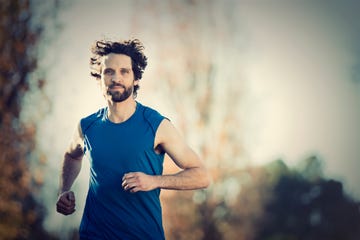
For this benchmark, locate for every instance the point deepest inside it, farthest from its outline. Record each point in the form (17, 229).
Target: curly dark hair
(132, 48)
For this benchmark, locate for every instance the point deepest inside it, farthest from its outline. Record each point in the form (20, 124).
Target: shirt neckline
(124, 122)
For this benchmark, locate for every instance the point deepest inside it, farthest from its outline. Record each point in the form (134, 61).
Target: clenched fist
(66, 203)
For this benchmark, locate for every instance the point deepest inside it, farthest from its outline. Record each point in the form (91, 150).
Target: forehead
(114, 60)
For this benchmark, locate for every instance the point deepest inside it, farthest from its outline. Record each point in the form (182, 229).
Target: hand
(138, 181)
(66, 203)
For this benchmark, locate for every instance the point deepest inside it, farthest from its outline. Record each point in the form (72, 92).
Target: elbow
(206, 179)
(71, 157)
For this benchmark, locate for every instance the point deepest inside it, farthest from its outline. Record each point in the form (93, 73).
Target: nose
(116, 77)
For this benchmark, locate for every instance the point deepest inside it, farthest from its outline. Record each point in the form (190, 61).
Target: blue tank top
(113, 150)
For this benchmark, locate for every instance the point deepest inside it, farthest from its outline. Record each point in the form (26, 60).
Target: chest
(112, 147)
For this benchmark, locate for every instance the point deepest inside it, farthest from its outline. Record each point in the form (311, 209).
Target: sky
(295, 63)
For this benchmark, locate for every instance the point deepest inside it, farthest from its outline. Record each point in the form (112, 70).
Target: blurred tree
(243, 203)
(307, 207)
(20, 215)
(311, 168)
(206, 99)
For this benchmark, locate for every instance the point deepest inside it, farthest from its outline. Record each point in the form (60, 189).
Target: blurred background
(267, 92)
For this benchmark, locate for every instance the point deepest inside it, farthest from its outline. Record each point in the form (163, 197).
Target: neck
(121, 111)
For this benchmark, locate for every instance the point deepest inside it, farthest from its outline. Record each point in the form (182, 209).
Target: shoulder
(148, 112)
(167, 131)
(87, 121)
(98, 114)
(151, 116)
(166, 136)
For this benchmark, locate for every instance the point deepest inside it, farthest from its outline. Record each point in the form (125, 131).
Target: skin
(115, 79)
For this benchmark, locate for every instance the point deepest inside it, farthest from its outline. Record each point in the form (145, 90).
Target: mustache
(113, 85)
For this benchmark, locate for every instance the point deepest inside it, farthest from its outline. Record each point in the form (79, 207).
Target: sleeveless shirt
(113, 150)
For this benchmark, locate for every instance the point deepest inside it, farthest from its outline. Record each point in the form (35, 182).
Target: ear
(136, 82)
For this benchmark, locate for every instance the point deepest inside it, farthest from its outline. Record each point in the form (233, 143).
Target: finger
(129, 175)
(67, 197)
(64, 199)
(123, 184)
(128, 186)
(71, 196)
(65, 210)
(65, 207)
(68, 213)
(126, 175)
(129, 181)
(135, 189)
(63, 203)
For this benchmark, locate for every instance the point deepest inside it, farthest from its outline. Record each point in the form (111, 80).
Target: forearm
(70, 170)
(187, 179)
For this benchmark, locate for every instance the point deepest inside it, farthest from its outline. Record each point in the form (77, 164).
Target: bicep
(175, 146)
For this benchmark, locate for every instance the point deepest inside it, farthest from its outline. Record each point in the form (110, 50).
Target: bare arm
(71, 167)
(192, 176)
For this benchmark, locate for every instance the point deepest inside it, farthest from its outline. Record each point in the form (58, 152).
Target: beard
(117, 96)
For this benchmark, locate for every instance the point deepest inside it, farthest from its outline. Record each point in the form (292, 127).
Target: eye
(108, 71)
(125, 71)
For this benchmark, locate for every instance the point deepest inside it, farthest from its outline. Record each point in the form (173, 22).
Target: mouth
(116, 87)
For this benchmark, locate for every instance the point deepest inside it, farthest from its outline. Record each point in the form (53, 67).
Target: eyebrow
(112, 70)
(122, 68)
(106, 70)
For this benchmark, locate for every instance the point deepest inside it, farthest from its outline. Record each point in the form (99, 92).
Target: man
(125, 143)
